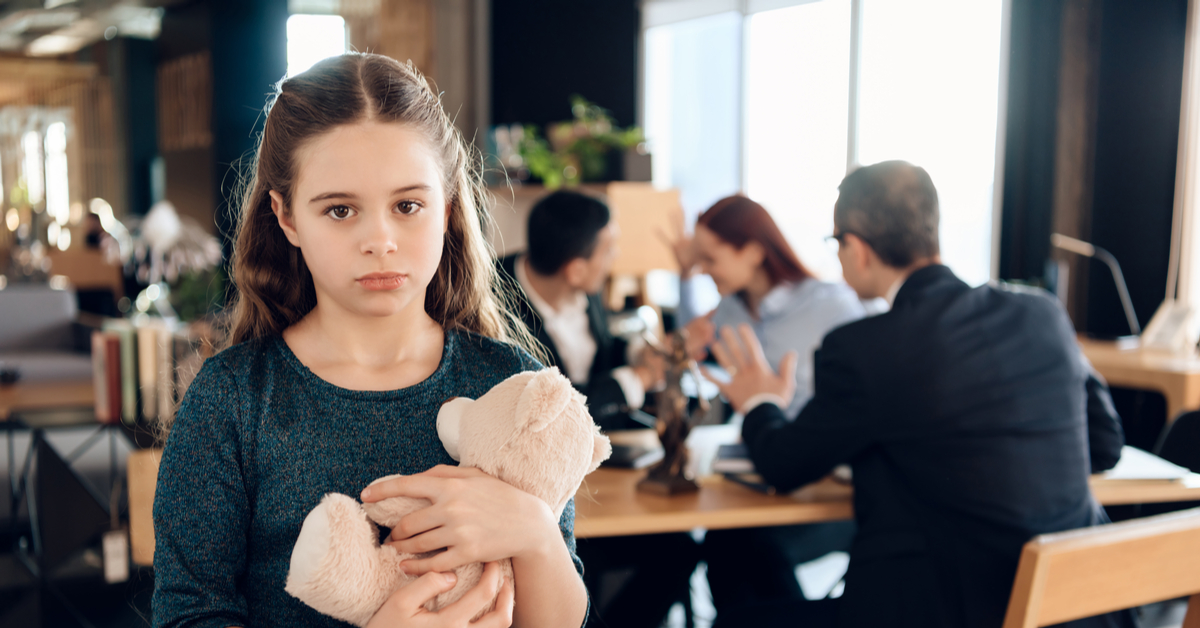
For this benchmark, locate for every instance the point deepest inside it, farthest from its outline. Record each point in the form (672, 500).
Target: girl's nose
(379, 236)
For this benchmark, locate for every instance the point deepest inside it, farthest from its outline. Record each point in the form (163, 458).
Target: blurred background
(125, 127)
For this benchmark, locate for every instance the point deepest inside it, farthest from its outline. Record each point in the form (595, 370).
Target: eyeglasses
(838, 240)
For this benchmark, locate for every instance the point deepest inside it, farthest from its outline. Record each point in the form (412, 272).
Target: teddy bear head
(545, 449)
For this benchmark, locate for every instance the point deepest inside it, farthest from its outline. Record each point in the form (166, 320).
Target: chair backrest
(142, 473)
(1081, 573)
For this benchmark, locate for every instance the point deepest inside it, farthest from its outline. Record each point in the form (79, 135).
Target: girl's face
(731, 268)
(369, 214)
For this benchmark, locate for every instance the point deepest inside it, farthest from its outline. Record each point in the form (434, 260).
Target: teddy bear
(532, 431)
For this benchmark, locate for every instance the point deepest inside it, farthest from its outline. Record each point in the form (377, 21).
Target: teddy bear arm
(338, 566)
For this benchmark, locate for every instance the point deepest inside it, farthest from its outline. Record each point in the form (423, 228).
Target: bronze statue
(668, 476)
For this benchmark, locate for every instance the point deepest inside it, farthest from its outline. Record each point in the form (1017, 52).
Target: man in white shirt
(572, 243)
(633, 581)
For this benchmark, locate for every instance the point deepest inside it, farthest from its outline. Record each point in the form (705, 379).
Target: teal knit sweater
(258, 440)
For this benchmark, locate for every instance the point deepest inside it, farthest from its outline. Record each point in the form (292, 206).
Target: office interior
(1036, 119)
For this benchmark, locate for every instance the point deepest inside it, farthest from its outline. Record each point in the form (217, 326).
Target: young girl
(365, 300)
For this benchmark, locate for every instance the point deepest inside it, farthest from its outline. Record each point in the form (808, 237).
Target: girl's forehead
(369, 154)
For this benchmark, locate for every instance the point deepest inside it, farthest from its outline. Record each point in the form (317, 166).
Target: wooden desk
(1177, 377)
(45, 396)
(608, 505)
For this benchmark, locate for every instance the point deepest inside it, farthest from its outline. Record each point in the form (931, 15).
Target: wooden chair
(1081, 573)
(142, 472)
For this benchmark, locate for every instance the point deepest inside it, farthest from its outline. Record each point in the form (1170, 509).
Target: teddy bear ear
(544, 399)
(601, 450)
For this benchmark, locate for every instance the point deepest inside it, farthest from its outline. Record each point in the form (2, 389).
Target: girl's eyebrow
(408, 188)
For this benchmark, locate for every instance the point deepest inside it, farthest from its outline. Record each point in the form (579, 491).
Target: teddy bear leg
(338, 566)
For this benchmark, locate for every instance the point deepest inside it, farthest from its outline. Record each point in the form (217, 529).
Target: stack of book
(141, 369)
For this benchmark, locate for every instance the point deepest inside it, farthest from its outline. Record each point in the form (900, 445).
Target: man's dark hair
(562, 227)
(893, 207)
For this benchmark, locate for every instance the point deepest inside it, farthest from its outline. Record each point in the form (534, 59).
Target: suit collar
(922, 279)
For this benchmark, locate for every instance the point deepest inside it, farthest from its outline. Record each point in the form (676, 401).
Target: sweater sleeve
(566, 524)
(201, 510)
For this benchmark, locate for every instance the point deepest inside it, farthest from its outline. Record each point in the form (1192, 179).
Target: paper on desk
(1136, 464)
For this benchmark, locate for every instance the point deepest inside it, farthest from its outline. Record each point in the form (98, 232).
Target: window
(797, 116)
(311, 38)
(920, 82)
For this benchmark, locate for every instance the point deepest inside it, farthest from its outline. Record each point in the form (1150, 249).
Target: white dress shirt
(571, 332)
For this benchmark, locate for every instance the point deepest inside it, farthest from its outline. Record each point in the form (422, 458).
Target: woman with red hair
(762, 284)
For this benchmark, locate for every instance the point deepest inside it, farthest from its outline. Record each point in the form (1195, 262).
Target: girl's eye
(339, 212)
(408, 207)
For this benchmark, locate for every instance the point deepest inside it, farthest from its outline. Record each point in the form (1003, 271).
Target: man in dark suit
(572, 242)
(963, 412)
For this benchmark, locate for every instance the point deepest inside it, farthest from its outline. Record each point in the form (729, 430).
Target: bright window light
(797, 104)
(34, 181)
(691, 82)
(312, 38)
(58, 186)
(929, 93)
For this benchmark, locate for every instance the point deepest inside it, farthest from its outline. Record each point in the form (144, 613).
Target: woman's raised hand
(700, 334)
(681, 244)
(474, 516)
(406, 606)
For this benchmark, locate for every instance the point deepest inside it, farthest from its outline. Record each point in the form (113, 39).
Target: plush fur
(532, 430)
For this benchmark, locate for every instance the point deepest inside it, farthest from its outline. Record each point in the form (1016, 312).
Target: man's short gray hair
(893, 207)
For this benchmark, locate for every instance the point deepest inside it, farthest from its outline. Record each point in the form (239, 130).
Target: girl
(763, 284)
(365, 300)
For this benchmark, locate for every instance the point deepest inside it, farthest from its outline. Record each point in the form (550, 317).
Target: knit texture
(259, 440)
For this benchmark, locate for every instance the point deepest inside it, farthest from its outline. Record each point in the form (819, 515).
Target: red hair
(739, 221)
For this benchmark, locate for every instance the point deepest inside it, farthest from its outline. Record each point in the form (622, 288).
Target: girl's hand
(405, 607)
(700, 334)
(476, 517)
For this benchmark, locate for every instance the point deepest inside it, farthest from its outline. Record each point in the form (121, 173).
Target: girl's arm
(481, 519)
(201, 511)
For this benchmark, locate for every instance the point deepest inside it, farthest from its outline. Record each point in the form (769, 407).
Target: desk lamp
(1079, 247)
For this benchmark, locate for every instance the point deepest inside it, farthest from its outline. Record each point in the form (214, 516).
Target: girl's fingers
(445, 561)
(479, 597)
(427, 542)
(419, 485)
(501, 617)
(450, 471)
(418, 522)
(409, 599)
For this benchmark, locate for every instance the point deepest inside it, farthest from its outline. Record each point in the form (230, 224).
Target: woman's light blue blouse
(794, 316)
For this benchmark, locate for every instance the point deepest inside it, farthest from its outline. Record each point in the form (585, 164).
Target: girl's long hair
(274, 288)
(738, 221)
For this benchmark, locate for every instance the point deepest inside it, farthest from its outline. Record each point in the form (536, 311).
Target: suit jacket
(605, 398)
(963, 413)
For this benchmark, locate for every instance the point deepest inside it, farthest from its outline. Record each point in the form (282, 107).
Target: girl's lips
(382, 281)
